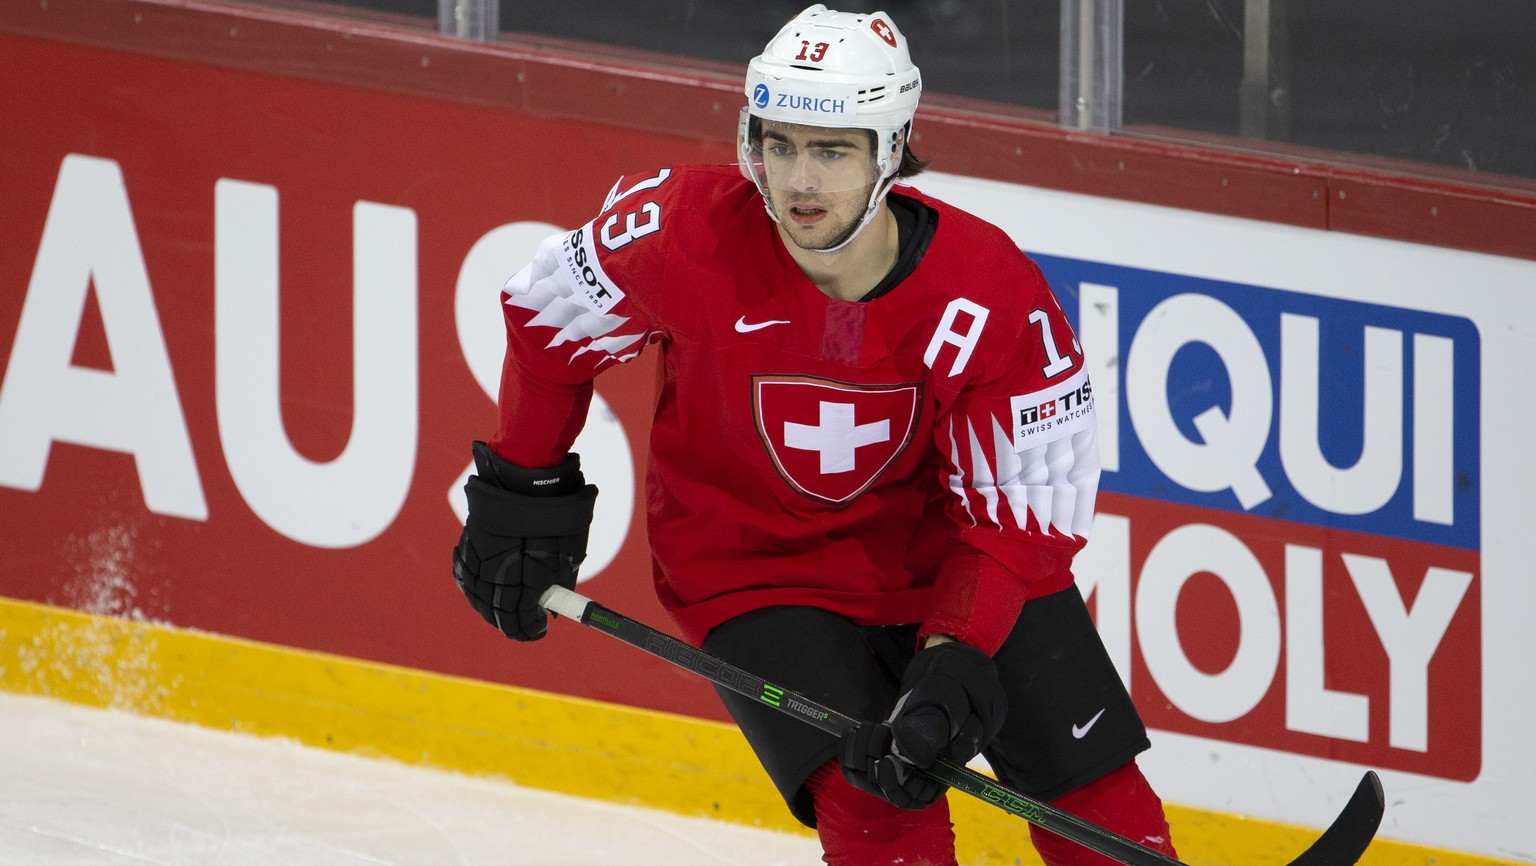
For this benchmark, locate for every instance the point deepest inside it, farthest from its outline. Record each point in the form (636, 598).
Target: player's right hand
(526, 531)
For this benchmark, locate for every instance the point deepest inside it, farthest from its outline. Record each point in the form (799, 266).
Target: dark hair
(911, 163)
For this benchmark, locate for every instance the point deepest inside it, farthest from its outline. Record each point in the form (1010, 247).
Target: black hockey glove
(527, 531)
(952, 705)
(869, 766)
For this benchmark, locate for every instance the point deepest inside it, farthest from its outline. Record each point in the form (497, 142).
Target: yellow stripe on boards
(604, 751)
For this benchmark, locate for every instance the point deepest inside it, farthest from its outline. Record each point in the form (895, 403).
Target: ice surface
(92, 787)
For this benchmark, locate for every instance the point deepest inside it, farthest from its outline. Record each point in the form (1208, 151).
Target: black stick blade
(1349, 835)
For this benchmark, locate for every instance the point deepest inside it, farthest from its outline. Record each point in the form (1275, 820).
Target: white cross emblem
(835, 437)
(812, 431)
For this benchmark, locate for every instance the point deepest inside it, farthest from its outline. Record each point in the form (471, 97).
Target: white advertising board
(1313, 553)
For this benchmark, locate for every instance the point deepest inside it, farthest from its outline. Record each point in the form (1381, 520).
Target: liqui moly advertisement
(1306, 563)
(1300, 562)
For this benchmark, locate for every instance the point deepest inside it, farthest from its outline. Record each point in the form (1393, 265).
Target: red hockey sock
(1121, 801)
(860, 829)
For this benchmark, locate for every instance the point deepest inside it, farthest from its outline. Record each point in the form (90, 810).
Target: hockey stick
(1340, 845)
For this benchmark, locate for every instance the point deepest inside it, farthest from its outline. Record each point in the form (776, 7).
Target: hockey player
(872, 460)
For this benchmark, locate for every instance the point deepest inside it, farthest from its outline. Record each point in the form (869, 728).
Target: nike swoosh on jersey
(1078, 732)
(743, 328)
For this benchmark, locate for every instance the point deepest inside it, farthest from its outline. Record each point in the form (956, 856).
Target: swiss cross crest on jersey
(831, 440)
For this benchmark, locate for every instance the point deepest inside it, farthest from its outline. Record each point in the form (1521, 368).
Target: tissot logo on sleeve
(1054, 413)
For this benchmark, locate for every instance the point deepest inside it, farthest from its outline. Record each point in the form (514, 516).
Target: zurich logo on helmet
(760, 96)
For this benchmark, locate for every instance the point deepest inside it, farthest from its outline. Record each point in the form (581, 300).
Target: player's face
(819, 181)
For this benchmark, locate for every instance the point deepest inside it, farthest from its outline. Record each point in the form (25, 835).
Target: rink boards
(245, 321)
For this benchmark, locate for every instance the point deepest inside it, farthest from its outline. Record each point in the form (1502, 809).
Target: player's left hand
(952, 705)
(868, 765)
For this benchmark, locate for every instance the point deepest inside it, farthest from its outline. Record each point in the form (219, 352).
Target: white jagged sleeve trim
(1055, 482)
(563, 297)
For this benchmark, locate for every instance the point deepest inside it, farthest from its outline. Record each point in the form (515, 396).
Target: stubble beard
(821, 237)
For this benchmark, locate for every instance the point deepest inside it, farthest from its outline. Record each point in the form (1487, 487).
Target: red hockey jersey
(927, 456)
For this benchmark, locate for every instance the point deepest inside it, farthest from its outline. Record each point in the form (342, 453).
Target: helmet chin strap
(875, 198)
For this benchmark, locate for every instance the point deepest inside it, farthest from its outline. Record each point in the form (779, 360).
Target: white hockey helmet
(837, 70)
